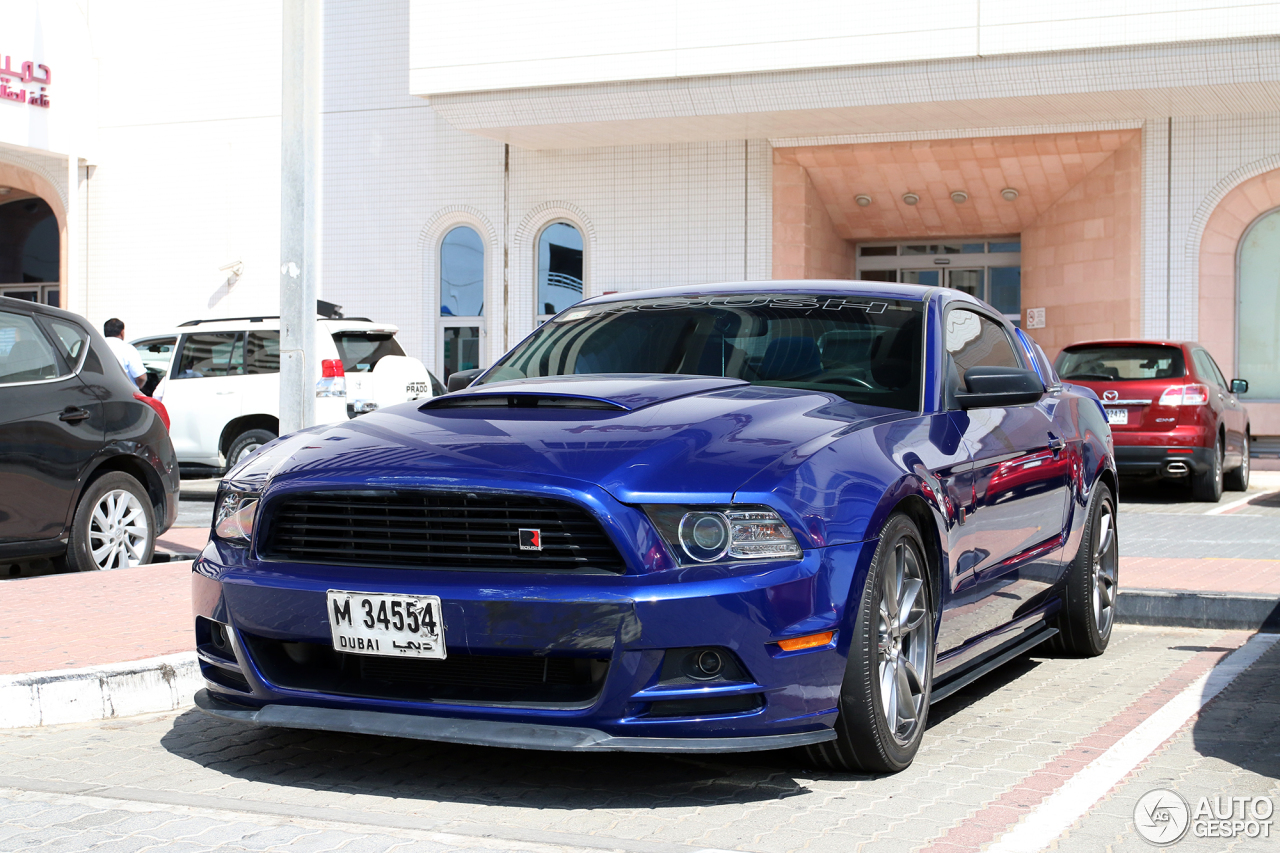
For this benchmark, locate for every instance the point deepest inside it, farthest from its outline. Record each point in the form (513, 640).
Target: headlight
(716, 534)
(234, 515)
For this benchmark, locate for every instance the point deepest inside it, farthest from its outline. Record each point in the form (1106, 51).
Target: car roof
(1130, 342)
(884, 290)
(265, 323)
(10, 304)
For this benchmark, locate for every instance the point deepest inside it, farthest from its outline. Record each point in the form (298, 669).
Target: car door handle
(72, 415)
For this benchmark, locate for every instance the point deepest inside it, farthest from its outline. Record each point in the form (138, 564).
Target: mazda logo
(1111, 395)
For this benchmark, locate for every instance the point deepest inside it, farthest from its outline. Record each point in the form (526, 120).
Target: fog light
(812, 641)
(709, 664)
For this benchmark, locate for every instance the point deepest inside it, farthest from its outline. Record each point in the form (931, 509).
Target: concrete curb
(99, 692)
(1187, 609)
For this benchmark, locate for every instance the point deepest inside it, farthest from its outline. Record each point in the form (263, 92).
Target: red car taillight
(331, 368)
(156, 405)
(1185, 395)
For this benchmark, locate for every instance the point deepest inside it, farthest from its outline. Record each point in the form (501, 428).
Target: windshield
(867, 351)
(1121, 363)
(361, 351)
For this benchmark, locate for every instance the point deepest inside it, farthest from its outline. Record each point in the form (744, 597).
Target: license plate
(1117, 416)
(395, 626)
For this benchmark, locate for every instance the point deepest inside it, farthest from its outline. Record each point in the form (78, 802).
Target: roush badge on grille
(530, 539)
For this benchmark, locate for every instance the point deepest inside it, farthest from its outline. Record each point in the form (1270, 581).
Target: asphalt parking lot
(1003, 750)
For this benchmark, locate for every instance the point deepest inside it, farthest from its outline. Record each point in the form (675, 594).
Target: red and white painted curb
(99, 692)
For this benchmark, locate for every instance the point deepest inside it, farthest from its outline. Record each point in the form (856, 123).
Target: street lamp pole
(299, 211)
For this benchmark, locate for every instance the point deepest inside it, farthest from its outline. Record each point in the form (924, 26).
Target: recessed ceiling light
(1008, 194)
(862, 199)
(959, 196)
(910, 198)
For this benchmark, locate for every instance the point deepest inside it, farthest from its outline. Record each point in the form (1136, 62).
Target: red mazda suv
(1172, 413)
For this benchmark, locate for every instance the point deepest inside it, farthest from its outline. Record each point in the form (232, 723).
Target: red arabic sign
(26, 73)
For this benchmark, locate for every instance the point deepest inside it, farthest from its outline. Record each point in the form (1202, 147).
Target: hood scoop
(519, 401)
(619, 392)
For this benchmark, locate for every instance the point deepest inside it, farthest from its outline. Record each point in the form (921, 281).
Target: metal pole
(72, 298)
(299, 212)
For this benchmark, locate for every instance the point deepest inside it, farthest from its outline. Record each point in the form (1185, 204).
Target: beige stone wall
(1222, 235)
(1081, 258)
(805, 241)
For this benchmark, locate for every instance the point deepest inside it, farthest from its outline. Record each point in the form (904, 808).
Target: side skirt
(967, 676)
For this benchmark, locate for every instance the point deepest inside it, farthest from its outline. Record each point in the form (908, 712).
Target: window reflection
(559, 268)
(462, 273)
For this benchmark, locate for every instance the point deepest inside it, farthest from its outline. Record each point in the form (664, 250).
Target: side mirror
(1239, 386)
(462, 378)
(999, 386)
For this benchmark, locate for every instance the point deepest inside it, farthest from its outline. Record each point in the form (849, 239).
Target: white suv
(220, 380)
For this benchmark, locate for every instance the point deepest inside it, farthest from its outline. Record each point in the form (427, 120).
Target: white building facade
(1103, 170)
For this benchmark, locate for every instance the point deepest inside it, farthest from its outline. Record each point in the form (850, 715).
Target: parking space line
(1226, 509)
(1040, 827)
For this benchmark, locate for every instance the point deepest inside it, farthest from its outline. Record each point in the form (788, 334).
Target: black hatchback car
(87, 472)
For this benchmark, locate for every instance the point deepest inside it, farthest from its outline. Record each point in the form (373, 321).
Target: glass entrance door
(989, 269)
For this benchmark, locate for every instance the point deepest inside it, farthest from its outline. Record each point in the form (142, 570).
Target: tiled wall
(1081, 259)
(805, 241)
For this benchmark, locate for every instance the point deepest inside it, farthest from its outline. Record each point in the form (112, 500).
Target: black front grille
(434, 530)
(477, 678)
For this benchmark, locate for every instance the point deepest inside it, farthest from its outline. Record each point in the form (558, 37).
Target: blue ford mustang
(711, 518)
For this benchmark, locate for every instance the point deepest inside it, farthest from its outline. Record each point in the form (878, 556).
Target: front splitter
(488, 732)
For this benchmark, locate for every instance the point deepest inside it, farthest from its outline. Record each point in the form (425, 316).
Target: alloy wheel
(902, 649)
(1104, 572)
(117, 531)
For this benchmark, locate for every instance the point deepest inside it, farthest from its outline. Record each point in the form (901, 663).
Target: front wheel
(114, 526)
(884, 699)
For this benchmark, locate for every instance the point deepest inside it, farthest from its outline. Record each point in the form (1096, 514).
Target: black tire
(1207, 487)
(865, 739)
(247, 442)
(1237, 479)
(136, 540)
(1092, 584)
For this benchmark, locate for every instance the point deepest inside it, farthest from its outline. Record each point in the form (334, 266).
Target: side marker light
(795, 644)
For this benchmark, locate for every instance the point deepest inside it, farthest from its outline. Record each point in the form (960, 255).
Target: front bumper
(1152, 461)
(629, 621)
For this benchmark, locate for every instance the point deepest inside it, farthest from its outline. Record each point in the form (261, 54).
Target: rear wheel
(246, 443)
(884, 699)
(1207, 486)
(1088, 613)
(1237, 479)
(114, 526)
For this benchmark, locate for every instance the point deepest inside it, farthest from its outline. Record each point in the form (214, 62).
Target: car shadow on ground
(421, 770)
(1240, 726)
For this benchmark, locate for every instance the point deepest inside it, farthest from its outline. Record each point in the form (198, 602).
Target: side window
(1206, 368)
(156, 354)
(211, 354)
(25, 353)
(973, 340)
(72, 339)
(262, 353)
(1217, 372)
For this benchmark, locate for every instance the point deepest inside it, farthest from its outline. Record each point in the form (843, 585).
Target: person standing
(113, 331)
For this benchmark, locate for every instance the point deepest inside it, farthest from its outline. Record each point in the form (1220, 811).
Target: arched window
(559, 268)
(1258, 308)
(461, 300)
(29, 251)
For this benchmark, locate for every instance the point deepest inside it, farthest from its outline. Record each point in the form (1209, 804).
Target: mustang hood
(641, 438)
